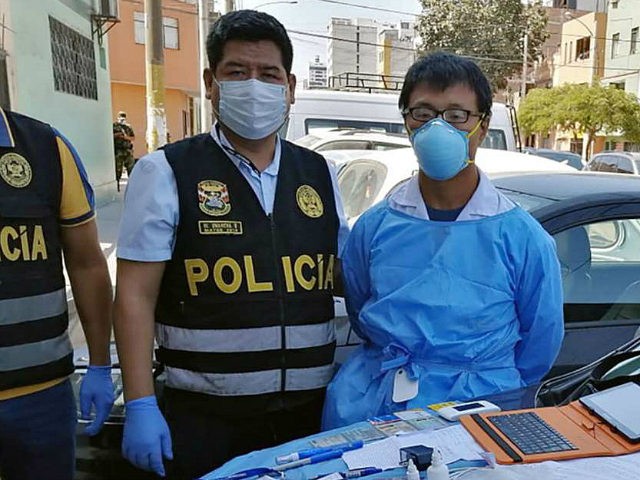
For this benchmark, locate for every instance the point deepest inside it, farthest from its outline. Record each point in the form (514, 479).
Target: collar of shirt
(239, 160)
(486, 201)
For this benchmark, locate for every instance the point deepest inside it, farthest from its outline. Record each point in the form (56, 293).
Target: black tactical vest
(34, 344)
(245, 309)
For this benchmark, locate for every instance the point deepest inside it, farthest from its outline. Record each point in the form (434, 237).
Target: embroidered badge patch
(15, 170)
(213, 198)
(309, 201)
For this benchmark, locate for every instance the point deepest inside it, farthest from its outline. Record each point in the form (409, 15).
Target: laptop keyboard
(530, 433)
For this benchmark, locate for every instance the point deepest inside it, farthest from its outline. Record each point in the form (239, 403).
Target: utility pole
(525, 55)
(205, 103)
(154, 56)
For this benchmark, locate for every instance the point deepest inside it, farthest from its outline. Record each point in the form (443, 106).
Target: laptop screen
(619, 407)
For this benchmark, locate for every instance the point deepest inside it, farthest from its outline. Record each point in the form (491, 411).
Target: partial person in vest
(228, 248)
(46, 209)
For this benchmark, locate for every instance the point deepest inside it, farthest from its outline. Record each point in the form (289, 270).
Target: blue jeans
(37, 435)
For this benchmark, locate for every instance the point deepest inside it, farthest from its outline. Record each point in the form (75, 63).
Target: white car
(324, 140)
(367, 179)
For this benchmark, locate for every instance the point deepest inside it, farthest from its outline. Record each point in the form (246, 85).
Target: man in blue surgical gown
(455, 290)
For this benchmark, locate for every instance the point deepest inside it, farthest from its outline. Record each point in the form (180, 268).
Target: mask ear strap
(477, 127)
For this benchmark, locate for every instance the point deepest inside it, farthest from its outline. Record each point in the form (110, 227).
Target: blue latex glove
(146, 438)
(96, 390)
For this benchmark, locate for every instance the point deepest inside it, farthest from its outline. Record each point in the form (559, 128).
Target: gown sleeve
(539, 303)
(355, 271)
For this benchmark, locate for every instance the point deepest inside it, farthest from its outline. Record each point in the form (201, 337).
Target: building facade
(580, 57)
(181, 68)
(57, 71)
(396, 49)
(352, 47)
(622, 56)
(317, 74)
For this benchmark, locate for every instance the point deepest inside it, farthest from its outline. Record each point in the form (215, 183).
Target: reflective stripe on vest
(244, 340)
(26, 309)
(252, 383)
(34, 354)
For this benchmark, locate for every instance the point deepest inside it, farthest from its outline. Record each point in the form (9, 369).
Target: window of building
(571, 52)
(583, 47)
(614, 3)
(404, 25)
(73, 60)
(615, 45)
(634, 41)
(138, 27)
(170, 31)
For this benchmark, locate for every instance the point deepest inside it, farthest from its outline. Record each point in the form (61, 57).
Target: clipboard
(591, 435)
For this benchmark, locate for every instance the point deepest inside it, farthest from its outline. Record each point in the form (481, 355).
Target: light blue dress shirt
(151, 208)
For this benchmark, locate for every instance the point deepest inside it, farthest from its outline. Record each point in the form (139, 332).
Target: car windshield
(495, 139)
(312, 124)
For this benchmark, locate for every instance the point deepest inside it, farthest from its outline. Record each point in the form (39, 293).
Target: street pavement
(108, 220)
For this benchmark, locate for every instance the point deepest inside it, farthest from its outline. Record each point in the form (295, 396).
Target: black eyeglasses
(451, 115)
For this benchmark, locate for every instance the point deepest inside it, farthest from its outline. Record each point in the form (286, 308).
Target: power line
(348, 40)
(367, 7)
(472, 57)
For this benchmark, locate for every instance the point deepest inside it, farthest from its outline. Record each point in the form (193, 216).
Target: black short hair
(252, 26)
(441, 70)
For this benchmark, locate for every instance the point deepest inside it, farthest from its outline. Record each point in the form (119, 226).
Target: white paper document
(455, 443)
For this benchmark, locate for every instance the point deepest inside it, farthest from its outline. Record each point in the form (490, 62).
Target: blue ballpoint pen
(310, 452)
(361, 472)
(310, 460)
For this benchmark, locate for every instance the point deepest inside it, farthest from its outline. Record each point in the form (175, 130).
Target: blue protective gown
(469, 308)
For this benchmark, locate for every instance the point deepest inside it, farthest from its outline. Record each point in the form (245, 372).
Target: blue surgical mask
(252, 109)
(442, 149)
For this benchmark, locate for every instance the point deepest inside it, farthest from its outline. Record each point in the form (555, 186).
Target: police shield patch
(213, 198)
(15, 170)
(309, 201)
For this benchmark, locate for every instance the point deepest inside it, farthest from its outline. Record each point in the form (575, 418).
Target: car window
(311, 124)
(624, 165)
(600, 265)
(495, 139)
(603, 163)
(345, 145)
(360, 182)
(525, 200)
(387, 146)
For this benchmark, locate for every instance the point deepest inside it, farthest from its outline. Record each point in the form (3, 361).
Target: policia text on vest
(22, 243)
(307, 272)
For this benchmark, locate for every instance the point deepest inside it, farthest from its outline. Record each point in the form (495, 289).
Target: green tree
(490, 31)
(581, 110)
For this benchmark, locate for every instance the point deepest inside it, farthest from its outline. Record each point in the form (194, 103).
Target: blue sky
(313, 16)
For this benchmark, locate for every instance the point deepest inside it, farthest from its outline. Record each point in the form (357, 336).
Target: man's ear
(292, 88)
(207, 77)
(484, 128)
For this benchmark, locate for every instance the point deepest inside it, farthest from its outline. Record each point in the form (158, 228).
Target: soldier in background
(123, 137)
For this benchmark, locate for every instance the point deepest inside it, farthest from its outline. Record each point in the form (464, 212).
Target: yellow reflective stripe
(75, 207)
(21, 391)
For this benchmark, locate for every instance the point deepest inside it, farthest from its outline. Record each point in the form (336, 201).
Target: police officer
(46, 208)
(123, 137)
(228, 246)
